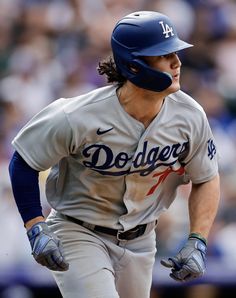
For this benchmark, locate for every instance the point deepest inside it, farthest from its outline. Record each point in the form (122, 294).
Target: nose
(176, 63)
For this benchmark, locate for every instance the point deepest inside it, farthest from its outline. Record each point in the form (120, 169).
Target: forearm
(189, 263)
(203, 206)
(25, 188)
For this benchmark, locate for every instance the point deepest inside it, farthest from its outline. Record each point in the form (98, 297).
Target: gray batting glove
(189, 263)
(46, 247)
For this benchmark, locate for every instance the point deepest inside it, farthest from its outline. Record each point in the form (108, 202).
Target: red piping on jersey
(162, 176)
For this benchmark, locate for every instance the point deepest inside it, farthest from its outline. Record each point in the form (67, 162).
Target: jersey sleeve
(46, 138)
(201, 163)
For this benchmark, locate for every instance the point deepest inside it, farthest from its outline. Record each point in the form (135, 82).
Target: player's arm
(46, 247)
(25, 187)
(189, 263)
(203, 206)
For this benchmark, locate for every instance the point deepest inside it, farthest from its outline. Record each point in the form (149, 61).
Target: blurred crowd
(51, 48)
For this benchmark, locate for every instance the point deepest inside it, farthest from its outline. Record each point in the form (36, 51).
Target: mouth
(176, 76)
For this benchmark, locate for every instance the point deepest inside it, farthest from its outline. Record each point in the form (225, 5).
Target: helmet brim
(164, 48)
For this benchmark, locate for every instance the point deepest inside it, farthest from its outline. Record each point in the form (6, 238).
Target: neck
(143, 105)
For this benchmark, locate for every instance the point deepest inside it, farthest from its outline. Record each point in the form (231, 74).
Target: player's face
(168, 63)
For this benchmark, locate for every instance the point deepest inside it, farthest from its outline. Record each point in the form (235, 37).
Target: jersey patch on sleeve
(211, 148)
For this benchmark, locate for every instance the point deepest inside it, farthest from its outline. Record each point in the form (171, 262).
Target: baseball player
(117, 156)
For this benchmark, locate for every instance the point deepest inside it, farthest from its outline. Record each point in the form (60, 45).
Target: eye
(165, 56)
(169, 55)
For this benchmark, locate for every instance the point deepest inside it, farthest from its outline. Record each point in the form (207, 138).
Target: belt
(127, 235)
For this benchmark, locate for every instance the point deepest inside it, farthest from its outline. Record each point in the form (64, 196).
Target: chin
(174, 87)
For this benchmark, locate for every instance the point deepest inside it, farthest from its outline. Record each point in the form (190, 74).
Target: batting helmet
(144, 33)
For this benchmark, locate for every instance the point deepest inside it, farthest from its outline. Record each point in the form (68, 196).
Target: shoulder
(184, 100)
(63, 109)
(93, 97)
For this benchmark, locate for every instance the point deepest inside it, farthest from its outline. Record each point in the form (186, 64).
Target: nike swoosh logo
(101, 132)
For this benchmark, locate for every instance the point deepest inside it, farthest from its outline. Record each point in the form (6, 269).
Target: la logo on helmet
(166, 29)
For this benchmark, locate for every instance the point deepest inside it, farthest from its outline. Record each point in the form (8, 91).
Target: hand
(46, 247)
(189, 263)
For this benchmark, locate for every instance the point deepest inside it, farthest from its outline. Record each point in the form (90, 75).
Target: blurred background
(50, 49)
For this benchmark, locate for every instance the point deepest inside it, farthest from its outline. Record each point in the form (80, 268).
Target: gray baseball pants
(100, 265)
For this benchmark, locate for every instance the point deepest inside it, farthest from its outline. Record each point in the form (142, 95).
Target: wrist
(197, 236)
(33, 221)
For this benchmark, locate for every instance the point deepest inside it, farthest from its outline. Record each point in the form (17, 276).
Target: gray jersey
(106, 168)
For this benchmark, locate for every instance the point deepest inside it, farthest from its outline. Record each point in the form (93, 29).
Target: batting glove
(190, 262)
(46, 247)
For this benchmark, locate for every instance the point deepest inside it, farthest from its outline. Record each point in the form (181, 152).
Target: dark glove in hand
(189, 263)
(46, 247)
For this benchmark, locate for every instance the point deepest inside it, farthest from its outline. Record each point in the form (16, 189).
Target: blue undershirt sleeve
(25, 187)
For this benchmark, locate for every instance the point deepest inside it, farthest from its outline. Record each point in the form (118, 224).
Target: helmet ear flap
(149, 78)
(142, 75)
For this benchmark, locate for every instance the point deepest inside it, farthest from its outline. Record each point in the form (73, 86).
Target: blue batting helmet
(144, 33)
